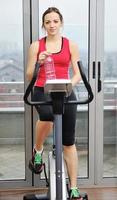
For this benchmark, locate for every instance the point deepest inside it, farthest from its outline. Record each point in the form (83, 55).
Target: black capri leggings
(68, 118)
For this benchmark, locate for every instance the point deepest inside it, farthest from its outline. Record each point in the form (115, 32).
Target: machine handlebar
(31, 84)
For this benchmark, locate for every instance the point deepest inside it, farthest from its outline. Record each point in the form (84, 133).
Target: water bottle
(49, 68)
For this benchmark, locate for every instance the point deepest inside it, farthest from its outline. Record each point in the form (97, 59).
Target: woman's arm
(74, 59)
(32, 58)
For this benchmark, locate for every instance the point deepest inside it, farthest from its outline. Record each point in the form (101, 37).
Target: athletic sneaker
(36, 164)
(75, 194)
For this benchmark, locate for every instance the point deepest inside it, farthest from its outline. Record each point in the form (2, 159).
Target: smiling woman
(63, 51)
(74, 26)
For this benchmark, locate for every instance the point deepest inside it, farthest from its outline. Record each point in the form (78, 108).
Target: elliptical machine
(58, 89)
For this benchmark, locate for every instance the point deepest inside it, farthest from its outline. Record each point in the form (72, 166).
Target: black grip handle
(86, 83)
(93, 70)
(31, 84)
(99, 75)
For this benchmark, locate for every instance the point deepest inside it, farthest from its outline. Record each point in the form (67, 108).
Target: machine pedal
(83, 195)
(36, 197)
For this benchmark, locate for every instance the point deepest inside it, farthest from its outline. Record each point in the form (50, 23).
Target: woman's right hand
(32, 58)
(42, 56)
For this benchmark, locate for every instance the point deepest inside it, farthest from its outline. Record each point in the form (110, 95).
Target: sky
(11, 29)
(75, 27)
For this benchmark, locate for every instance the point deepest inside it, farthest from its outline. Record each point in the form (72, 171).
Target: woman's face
(52, 23)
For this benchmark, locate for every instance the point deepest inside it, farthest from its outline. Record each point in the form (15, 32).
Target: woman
(64, 53)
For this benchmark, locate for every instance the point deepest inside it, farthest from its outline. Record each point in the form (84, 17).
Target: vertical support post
(58, 140)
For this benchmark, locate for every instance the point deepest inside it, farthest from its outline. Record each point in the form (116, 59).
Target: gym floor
(93, 194)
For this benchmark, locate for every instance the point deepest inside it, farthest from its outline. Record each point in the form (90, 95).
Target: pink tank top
(61, 62)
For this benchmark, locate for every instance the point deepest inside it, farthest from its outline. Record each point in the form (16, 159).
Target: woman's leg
(43, 128)
(70, 152)
(71, 158)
